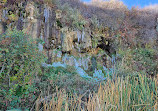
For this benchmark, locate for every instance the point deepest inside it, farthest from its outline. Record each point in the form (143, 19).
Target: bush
(65, 78)
(143, 60)
(19, 64)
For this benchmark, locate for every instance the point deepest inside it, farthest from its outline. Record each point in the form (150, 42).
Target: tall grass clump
(131, 93)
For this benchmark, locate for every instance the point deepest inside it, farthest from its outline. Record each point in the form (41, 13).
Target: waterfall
(85, 63)
(76, 63)
(4, 14)
(87, 60)
(83, 34)
(64, 58)
(113, 64)
(78, 36)
(40, 47)
(157, 28)
(94, 62)
(59, 54)
(10, 25)
(79, 49)
(72, 61)
(46, 14)
(80, 61)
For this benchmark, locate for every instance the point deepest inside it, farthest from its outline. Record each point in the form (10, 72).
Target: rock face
(30, 10)
(31, 27)
(76, 61)
(87, 42)
(75, 40)
(1, 28)
(67, 41)
(47, 15)
(62, 43)
(3, 24)
(30, 23)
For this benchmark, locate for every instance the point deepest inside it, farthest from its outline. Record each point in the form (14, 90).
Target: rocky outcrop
(75, 41)
(67, 40)
(62, 42)
(86, 42)
(81, 61)
(31, 26)
(31, 23)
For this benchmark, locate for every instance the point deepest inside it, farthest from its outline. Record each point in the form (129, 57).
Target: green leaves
(21, 60)
(139, 59)
(73, 17)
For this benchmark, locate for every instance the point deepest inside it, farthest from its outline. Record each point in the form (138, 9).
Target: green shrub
(138, 60)
(146, 59)
(19, 64)
(65, 78)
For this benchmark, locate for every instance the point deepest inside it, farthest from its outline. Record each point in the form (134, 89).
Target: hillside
(60, 55)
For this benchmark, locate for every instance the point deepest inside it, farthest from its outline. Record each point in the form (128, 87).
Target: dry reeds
(126, 94)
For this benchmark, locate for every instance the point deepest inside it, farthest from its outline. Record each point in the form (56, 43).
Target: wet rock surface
(62, 43)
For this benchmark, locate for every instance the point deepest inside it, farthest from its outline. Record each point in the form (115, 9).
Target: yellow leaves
(50, 2)
(106, 42)
(3, 1)
(13, 17)
(106, 28)
(14, 78)
(58, 14)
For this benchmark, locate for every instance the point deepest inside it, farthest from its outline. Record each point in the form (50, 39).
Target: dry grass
(110, 4)
(126, 94)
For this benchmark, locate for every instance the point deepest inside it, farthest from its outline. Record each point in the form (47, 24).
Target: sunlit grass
(126, 94)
